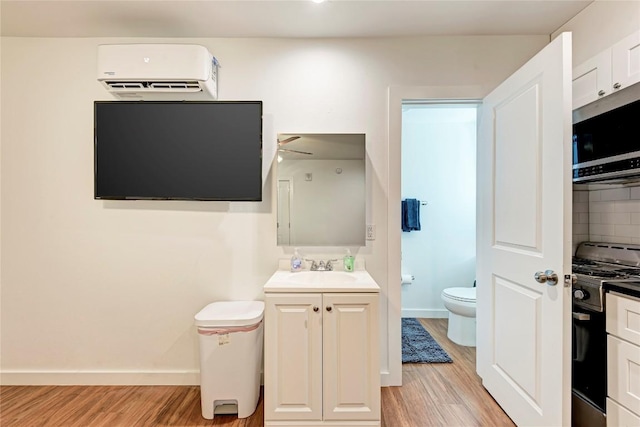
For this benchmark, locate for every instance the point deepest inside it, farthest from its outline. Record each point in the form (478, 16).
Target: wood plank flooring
(439, 394)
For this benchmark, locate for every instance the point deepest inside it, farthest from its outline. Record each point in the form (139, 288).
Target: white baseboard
(426, 313)
(322, 423)
(19, 377)
(385, 379)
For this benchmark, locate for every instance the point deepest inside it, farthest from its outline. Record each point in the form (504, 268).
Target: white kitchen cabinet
(592, 79)
(612, 69)
(623, 317)
(321, 358)
(623, 359)
(625, 62)
(618, 416)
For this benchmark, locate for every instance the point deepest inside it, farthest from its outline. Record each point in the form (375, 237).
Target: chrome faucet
(321, 266)
(314, 264)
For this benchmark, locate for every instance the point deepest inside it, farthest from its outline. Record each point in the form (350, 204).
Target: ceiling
(281, 18)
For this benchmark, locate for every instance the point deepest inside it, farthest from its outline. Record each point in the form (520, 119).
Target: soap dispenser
(348, 261)
(296, 261)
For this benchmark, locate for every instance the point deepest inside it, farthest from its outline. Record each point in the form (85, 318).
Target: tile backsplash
(606, 214)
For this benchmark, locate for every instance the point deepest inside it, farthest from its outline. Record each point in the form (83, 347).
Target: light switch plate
(371, 232)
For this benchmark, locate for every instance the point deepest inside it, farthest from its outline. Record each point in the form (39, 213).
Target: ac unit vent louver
(125, 85)
(161, 86)
(175, 85)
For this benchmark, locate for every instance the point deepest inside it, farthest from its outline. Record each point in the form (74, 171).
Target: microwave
(606, 138)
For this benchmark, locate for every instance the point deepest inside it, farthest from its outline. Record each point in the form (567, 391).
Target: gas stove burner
(582, 261)
(635, 272)
(594, 272)
(598, 265)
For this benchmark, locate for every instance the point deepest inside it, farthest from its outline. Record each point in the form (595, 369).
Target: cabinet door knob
(329, 308)
(601, 92)
(315, 308)
(617, 86)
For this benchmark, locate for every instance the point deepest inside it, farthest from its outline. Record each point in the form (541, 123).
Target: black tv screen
(210, 150)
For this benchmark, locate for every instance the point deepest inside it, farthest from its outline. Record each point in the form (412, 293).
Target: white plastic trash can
(230, 335)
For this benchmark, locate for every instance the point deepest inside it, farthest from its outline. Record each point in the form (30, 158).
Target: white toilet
(461, 303)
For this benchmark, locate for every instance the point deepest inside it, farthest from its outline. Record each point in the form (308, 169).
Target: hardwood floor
(439, 394)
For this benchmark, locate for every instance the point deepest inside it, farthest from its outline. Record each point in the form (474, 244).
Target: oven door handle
(581, 316)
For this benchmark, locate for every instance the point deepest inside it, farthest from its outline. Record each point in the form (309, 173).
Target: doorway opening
(437, 165)
(438, 169)
(399, 95)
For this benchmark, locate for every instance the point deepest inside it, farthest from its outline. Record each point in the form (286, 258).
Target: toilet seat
(461, 303)
(460, 294)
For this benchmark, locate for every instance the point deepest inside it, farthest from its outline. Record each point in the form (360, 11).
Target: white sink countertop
(321, 281)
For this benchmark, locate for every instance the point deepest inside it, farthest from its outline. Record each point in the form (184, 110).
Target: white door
(350, 357)
(293, 357)
(524, 214)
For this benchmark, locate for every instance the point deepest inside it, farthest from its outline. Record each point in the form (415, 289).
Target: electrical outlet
(371, 232)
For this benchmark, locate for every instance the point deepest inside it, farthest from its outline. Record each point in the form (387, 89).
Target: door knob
(329, 308)
(315, 308)
(540, 277)
(548, 277)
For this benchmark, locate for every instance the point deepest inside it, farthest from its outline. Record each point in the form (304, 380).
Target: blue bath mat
(418, 346)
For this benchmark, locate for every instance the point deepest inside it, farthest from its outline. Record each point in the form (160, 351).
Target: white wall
(580, 216)
(0, 200)
(329, 209)
(105, 292)
(613, 213)
(439, 168)
(600, 25)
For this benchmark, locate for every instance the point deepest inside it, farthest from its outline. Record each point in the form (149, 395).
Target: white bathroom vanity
(321, 349)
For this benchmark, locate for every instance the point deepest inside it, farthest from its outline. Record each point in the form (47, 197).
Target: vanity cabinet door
(351, 365)
(625, 61)
(293, 360)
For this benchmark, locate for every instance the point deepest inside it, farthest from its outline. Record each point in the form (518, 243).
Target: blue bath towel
(410, 215)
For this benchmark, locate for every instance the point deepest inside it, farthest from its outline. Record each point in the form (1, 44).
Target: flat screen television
(155, 150)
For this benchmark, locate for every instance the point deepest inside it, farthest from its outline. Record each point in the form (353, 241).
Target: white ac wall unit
(160, 72)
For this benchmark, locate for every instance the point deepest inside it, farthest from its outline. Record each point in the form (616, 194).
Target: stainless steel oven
(596, 266)
(605, 138)
(589, 367)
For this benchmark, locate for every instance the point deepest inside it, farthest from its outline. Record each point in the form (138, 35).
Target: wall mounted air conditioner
(160, 72)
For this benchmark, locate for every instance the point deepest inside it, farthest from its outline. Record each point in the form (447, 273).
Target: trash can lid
(230, 313)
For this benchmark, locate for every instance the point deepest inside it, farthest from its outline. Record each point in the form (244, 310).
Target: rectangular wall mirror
(321, 189)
